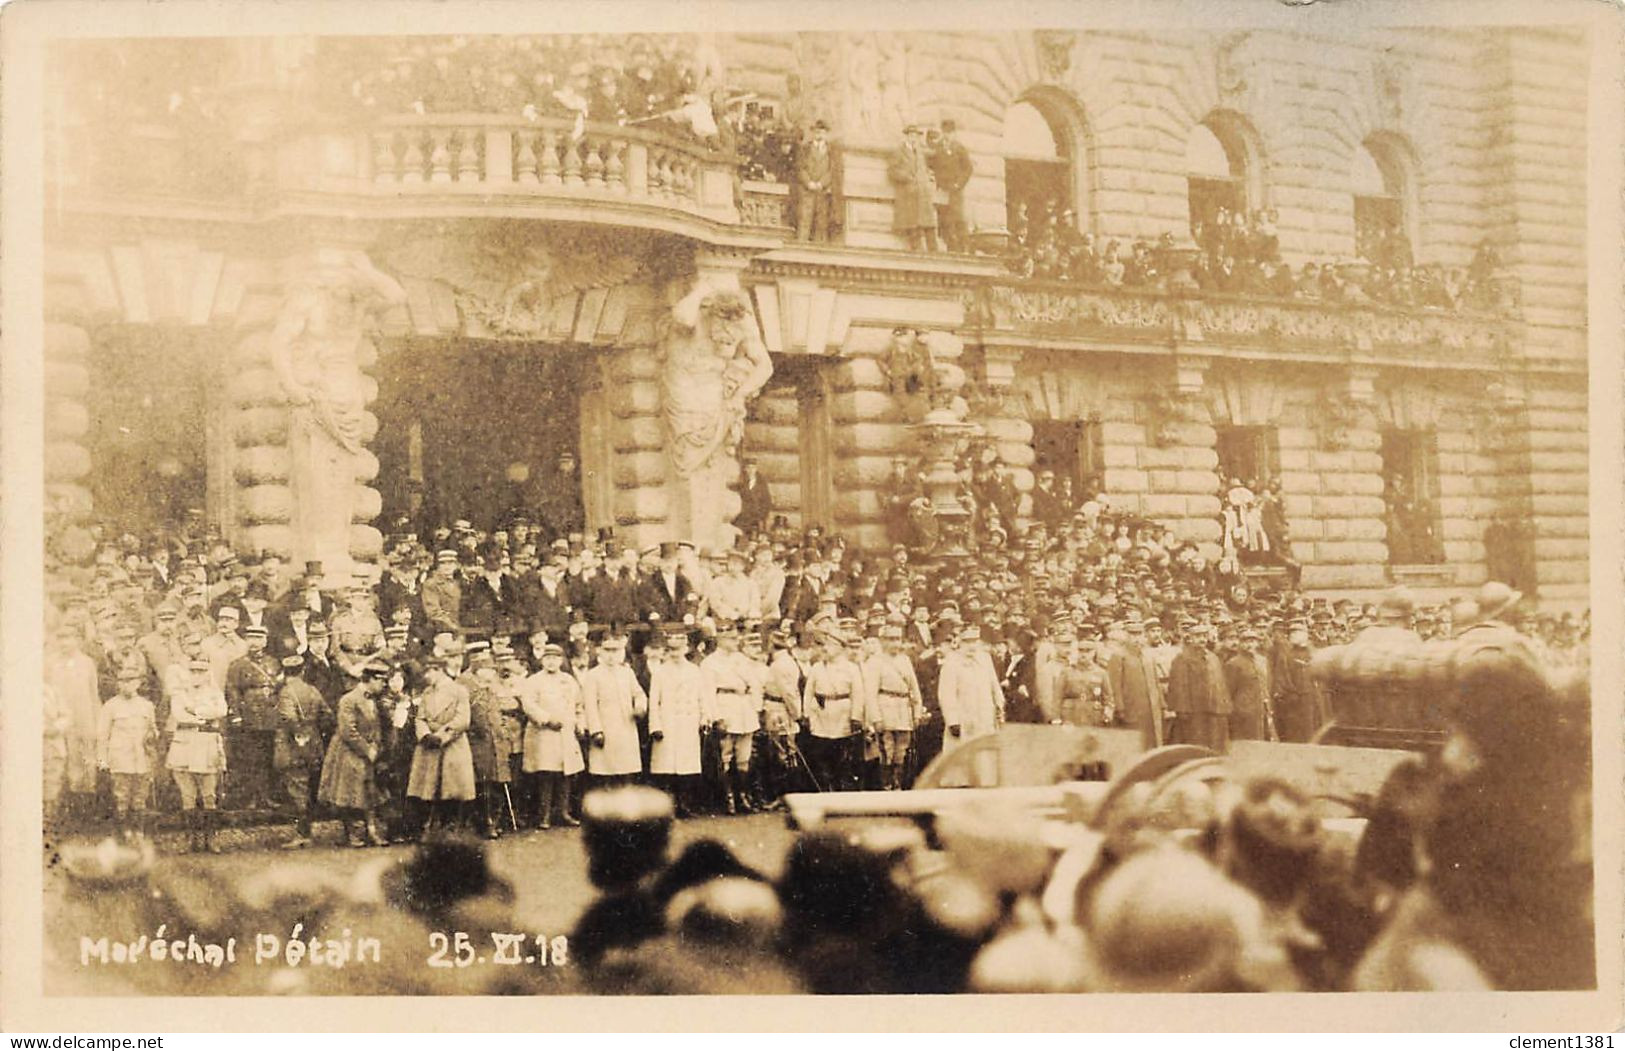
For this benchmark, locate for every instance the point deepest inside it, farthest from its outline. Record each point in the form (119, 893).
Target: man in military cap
(1198, 697)
(832, 706)
(1135, 681)
(1247, 678)
(302, 714)
(968, 690)
(895, 706)
(733, 594)
(552, 703)
(1299, 707)
(250, 693)
(442, 774)
(612, 702)
(442, 594)
(126, 746)
(197, 756)
(734, 716)
(678, 700)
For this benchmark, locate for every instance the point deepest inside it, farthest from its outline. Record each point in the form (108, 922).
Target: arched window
(1220, 171)
(1384, 215)
(1039, 177)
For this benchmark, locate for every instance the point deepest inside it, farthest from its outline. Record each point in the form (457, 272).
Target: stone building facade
(312, 276)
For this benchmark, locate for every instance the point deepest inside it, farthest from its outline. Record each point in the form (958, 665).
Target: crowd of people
(1239, 253)
(485, 673)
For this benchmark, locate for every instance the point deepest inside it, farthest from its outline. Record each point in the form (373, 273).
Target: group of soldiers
(485, 672)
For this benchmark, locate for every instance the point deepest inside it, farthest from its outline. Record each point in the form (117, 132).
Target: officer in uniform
(442, 594)
(895, 705)
(251, 682)
(735, 715)
(678, 701)
(968, 691)
(197, 754)
(831, 711)
(302, 714)
(126, 740)
(552, 703)
(442, 765)
(612, 701)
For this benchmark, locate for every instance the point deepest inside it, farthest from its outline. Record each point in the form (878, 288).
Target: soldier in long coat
(1248, 683)
(612, 702)
(302, 713)
(197, 752)
(72, 675)
(1299, 707)
(781, 716)
(487, 740)
(1136, 685)
(968, 691)
(349, 782)
(1198, 697)
(552, 703)
(895, 705)
(442, 766)
(678, 701)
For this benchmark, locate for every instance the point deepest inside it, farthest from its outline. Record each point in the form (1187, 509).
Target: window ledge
(1423, 574)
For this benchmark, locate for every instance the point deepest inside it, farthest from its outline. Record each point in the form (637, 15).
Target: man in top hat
(442, 774)
(255, 602)
(399, 586)
(126, 747)
(679, 698)
(250, 691)
(612, 702)
(302, 715)
(616, 593)
(755, 500)
(487, 602)
(1198, 696)
(1136, 682)
(914, 207)
(667, 590)
(951, 167)
(305, 594)
(817, 168)
(734, 716)
(894, 705)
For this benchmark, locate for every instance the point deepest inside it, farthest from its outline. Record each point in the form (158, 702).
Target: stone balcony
(1011, 311)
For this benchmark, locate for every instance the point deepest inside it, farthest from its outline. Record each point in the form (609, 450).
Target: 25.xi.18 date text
(457, 949)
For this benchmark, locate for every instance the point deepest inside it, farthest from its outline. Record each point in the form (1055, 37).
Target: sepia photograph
(715, 505)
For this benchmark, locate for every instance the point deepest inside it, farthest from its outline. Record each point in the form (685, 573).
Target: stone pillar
(300, 394)
(1559, 478)
(868, 433)
(1004, 419)
(773, 438)
(1172, 477)
(1343, 482)
(639, 443)
(67, 419)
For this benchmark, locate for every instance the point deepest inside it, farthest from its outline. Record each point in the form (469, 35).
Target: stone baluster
(525, 161)
(412, 159)
(468, 155)
(550, 157)
(683, 177)
(659, 173)
(615, 165)
(572, 162)
(440, 155)
(594, 164)
(384, 169)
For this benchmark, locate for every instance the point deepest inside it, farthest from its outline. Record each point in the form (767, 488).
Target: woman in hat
(197, 751)
(349, 782)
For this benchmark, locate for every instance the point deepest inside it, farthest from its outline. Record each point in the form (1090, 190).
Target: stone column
(300, 419)
(1173, 477)
(641, 463)
(868, 433)
(773, 438)
(1003, 418)
(67, 419)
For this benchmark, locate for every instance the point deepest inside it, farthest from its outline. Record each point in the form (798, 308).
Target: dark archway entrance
(474, 429)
